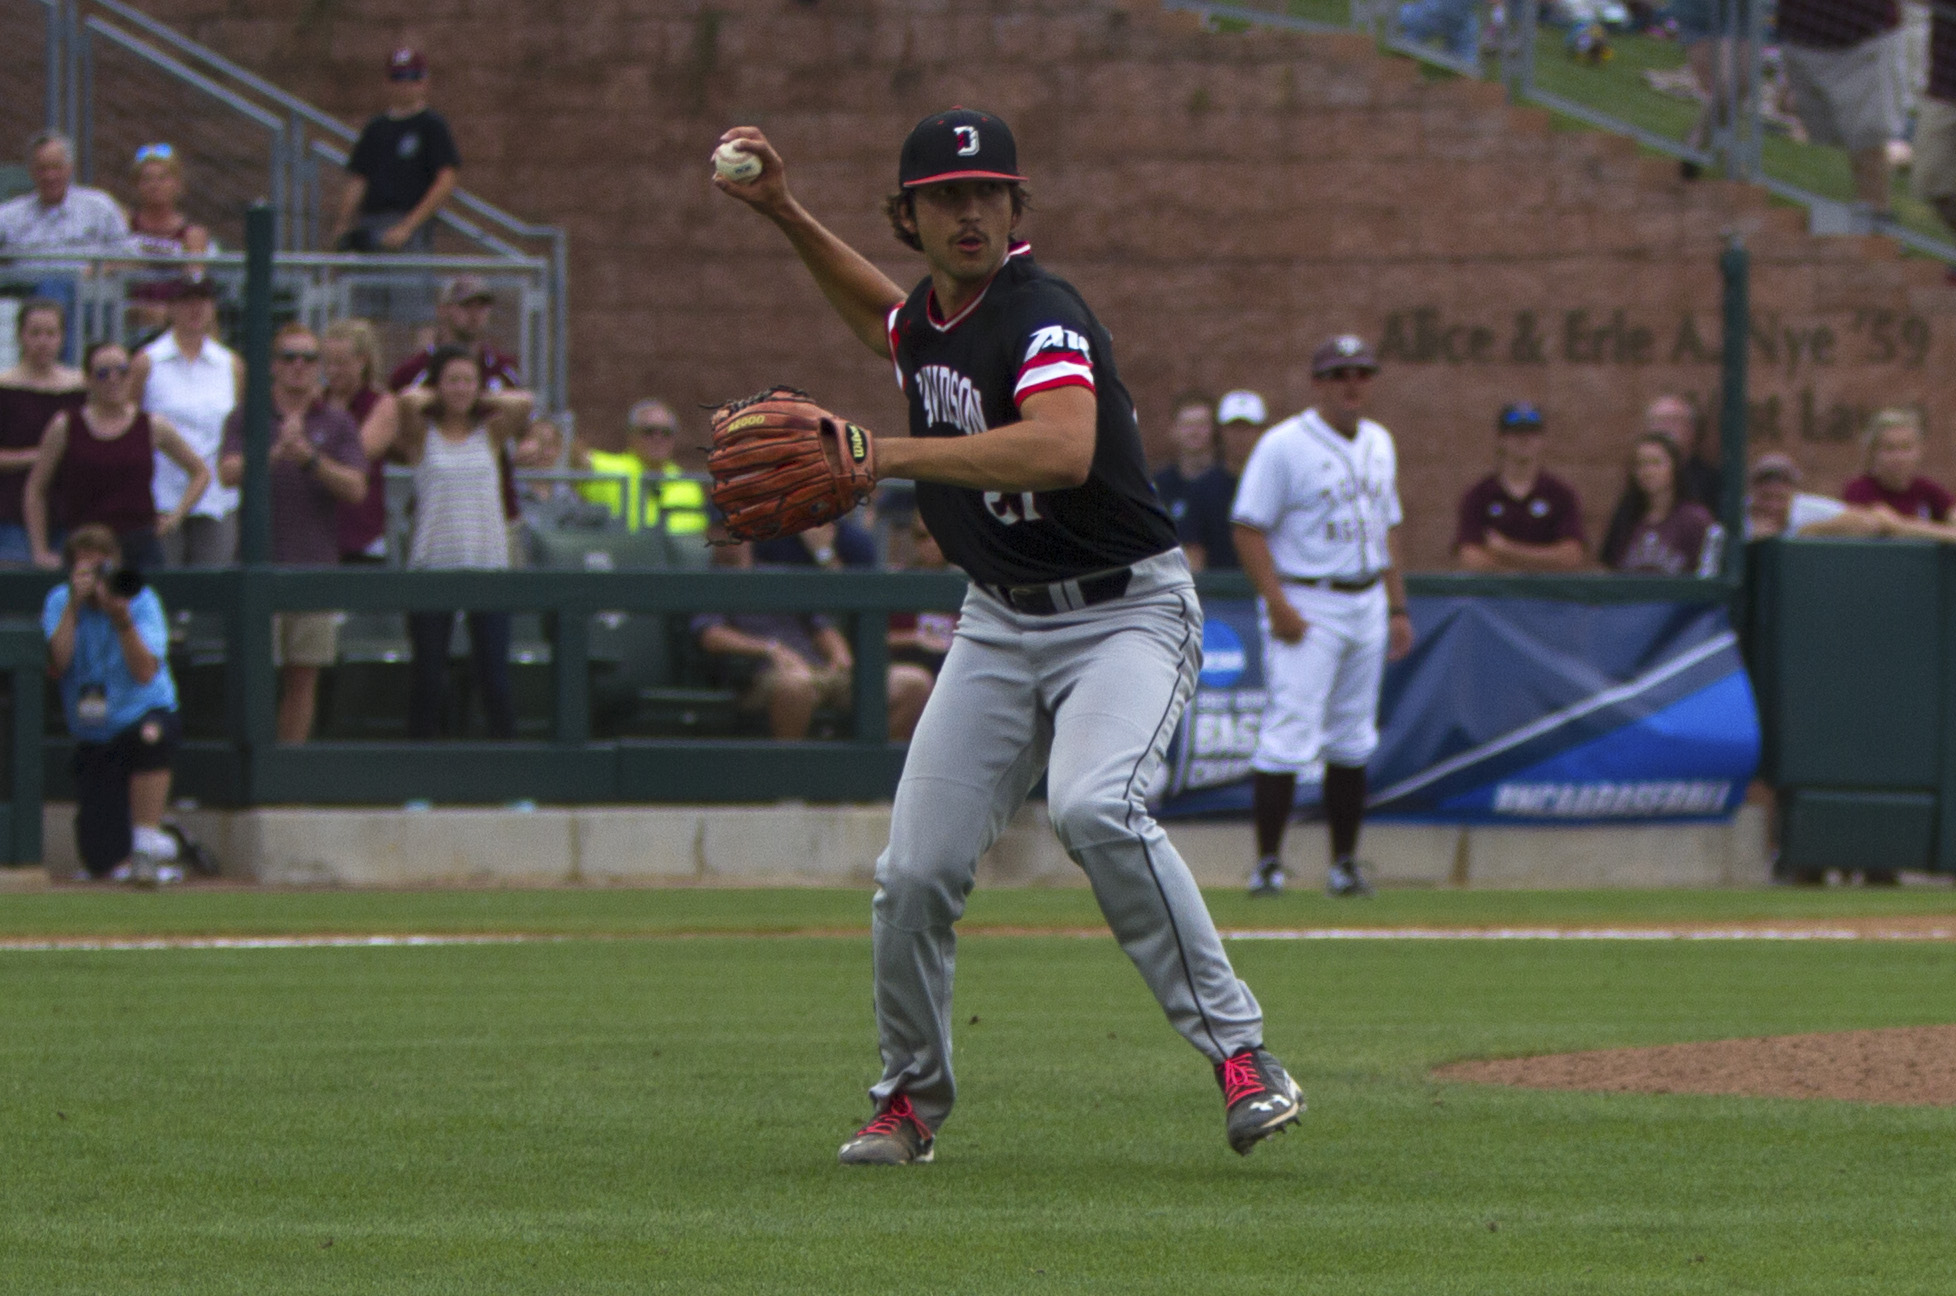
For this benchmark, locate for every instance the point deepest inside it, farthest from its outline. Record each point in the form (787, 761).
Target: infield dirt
(1909, 1065)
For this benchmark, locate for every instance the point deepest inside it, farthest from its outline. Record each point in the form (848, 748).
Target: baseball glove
(782, 464)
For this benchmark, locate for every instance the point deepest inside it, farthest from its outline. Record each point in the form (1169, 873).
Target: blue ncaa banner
(1508, 710)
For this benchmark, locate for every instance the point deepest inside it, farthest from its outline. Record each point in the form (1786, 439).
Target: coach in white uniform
(1313, 524)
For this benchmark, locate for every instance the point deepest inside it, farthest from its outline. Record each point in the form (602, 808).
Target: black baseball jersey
(1028, 332)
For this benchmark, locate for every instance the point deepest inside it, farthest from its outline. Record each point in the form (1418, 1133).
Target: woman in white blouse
(451, 433)
(194, 381)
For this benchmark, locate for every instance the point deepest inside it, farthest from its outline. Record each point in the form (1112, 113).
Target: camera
(120, 580)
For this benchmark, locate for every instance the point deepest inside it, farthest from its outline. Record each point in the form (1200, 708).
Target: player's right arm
(860, 293)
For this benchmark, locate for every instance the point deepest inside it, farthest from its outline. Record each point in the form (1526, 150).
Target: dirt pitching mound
(1913, 1065)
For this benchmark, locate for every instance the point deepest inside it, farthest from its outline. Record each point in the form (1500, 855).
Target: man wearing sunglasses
(1314, 521)
(316, 466)
(1520, 518)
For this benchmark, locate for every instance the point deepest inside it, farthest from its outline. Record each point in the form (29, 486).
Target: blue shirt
(98, 664)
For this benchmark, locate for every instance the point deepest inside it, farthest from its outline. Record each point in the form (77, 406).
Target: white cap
(1241, 407)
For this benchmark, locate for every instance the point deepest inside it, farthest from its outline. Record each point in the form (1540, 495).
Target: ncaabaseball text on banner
(1508, 710)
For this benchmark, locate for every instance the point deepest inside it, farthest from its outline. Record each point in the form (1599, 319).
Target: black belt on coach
(1333, 583)
(1063, 596)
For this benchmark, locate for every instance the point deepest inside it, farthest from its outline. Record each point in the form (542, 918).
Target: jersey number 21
(1011, 509)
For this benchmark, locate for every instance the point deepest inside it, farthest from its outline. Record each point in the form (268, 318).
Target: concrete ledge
(806, 845)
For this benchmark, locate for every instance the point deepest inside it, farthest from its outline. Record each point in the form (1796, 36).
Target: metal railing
(315, 288)
(238, 762)
(1641, 86)
(112, 74)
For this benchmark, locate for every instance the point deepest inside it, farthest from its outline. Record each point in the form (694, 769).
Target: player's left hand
(782, 464)
(1399, 636)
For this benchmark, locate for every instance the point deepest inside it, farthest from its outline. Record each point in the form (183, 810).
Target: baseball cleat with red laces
(896, 1137)
(1259, 1097)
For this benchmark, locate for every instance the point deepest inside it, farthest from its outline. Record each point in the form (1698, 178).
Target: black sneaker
(1344, 879)
(895, 1137)
(1259, 1098)
(1267, 879)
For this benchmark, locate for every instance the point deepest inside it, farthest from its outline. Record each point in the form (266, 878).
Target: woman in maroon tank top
(350, 353)
(31, 394)
(96, 465)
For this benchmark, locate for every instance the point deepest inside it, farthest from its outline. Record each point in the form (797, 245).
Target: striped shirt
(458, 505)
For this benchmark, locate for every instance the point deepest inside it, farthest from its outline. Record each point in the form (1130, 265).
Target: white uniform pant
(1324, 689)
(1091, 698)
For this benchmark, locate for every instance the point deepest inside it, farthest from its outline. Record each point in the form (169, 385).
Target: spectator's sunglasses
(1342, 374)
(106, 372)
(299, 357)
(1521, 417)
(655, 429)
(155, 153)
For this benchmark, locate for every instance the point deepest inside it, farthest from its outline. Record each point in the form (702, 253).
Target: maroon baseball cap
(186, 287)
(406, 64)
(1776, 467)
(1346, 351)
(959, 144)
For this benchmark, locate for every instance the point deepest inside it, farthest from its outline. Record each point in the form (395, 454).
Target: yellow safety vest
(680, 499)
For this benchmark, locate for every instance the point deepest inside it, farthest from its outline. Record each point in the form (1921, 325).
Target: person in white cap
(1204, 527)
(1776, 506)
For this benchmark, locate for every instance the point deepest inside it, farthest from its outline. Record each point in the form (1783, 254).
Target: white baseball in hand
(736, 163)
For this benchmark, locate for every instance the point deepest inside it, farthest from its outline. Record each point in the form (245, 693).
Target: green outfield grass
(196, 911)
(662, 1115)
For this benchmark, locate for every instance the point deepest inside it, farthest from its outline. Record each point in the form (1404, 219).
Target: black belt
(1063, 596)
(1333, 583)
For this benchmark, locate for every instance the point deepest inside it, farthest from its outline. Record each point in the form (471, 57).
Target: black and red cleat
(896, 1137)
(1259, 1097)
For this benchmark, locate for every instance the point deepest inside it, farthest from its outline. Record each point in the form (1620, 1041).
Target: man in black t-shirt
(401, 170)
(1077, 646)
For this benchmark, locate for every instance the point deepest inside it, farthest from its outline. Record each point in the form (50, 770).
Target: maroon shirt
(1835, 24)
(1548, 514)
(106, 481)
(498, 369)
(305, 515)
(361, 524)
(1921, 499)
(25, 413)
(1677, 546)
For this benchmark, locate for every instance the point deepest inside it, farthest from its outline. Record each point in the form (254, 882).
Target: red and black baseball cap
(958, 144)
(406, 64)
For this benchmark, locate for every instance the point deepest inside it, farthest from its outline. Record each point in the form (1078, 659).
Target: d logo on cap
(967, 140)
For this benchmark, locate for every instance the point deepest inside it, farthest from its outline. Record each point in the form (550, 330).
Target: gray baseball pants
(1090, 697)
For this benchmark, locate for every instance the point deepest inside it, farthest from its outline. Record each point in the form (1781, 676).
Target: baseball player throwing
(1313, 523)
(1078, 643)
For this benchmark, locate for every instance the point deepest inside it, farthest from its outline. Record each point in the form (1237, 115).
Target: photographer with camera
(107, 641)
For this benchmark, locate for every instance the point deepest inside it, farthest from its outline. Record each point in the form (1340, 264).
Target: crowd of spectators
(134, 460)
(1521, 517)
